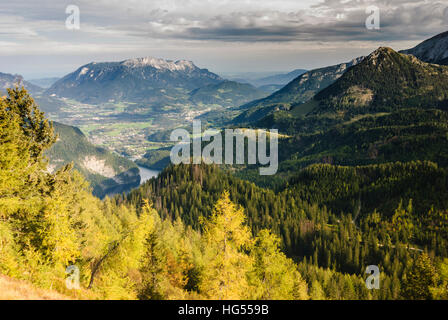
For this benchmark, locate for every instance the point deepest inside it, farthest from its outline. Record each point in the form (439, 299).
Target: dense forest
(341, 239)
(198, 232)
(51, 221)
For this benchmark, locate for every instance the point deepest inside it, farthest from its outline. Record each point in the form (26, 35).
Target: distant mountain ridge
(150, 80)
(390, 107)
(298, 91)
(384, 81)
(11, 80)
(303, 88)
(279, 79)
(44, 82)
(433, 50)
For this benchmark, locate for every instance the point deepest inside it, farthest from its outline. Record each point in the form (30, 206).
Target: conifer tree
(419, 279)
(227, 264)
(275, 277)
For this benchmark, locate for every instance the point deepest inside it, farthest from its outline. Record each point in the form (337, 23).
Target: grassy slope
(12, 289)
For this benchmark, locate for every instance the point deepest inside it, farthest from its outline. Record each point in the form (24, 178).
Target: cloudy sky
(221, 35)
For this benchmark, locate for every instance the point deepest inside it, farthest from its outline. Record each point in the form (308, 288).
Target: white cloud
(229, 30)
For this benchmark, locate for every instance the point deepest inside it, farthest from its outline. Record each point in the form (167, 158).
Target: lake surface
(147, 174)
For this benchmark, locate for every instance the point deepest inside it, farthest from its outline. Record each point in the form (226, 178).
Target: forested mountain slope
(384, 81)
(390, 107)
(107, 173)
(298, 91)
(51, 221)
(226, 94)
(333, 217)
(302, 89)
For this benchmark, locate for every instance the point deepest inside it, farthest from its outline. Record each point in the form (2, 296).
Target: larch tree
(274, 276)
(227, 238)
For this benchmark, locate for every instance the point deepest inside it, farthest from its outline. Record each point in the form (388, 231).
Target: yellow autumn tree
(274, 276)
(226, 263)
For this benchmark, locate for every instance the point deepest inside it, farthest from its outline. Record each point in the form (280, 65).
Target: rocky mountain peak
(160, 64)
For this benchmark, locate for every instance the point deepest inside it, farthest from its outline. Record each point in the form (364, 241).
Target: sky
(225, 36)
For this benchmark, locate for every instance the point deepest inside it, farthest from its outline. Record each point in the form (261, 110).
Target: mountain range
(152, 81)
(306, 86)
(300, 90)
(388, 107)
(147, 79)
(44, 82)
(11, 80)
(278, 79)
(433, 50)
(323, 108)
(340, 96)
(382, 82)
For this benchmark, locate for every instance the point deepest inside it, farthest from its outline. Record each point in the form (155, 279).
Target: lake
(147, 174)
